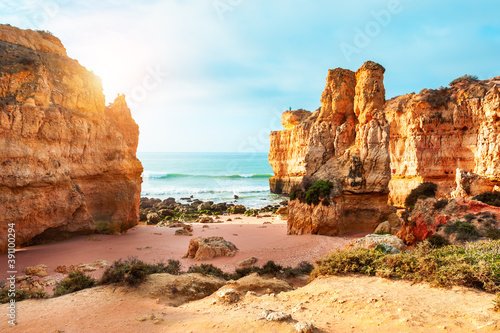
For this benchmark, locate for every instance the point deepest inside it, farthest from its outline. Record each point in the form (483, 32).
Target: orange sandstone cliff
(346, 141)
(450, 136)
(67, 161)
(373, 150)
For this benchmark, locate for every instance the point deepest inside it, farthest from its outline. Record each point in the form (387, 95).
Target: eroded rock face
(67, 162)
(441, 135)
(428, 219)
(362, 143)
(346, 141)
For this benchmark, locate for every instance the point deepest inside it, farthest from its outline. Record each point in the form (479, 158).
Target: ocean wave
(194, 191)
(164, 175)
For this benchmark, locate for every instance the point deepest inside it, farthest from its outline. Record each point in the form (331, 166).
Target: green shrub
(320, 190)
(493, 233)
(207, 269)
(271, 268)
(424, 190)
(251, 212)
(466, 77)
(474, 265)
(464, 230)
(496, 302)
(440, 204)
(130, 272)
(19, 295)
(74, 282)
(489, 198)
(437, 241)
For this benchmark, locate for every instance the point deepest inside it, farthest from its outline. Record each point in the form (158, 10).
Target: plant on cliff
(466, 77)
(74, 282)
(489, 198)
(464, 230)
(318, 192)
(424, 190)
(474, 265)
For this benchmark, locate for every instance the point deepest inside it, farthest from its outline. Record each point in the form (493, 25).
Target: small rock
(143, 318)
(384, 227)
(157, 321)
(153, 218)
(278, 316)
(304, 327)
(38, 270)
(183, 232)
(228, 296)
(247, 262)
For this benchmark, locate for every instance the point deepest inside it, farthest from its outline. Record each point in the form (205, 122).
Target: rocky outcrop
(346, 141)
(449, 136)
(476, 220)
(67, 161)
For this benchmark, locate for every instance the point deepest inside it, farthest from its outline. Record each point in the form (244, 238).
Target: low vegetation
(269, 269)
(422, 191)
(75, 281)
(313, 195)
(474, 265)
(489, 198)
(133, 271)
(466, 77)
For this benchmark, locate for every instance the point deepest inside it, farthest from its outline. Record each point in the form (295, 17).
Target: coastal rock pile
(68, 162)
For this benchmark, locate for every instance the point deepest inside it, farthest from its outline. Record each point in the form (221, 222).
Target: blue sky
(216, 75)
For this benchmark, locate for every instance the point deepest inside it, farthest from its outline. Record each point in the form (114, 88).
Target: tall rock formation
(346, 141)
(450, 136)
(67, 162)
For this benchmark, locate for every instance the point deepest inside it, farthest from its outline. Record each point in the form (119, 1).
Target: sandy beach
(264, 238)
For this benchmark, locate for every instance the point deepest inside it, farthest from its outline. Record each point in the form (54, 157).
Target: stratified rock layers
(443, 136)
(346, 141)
(67, 162)
(450, 136)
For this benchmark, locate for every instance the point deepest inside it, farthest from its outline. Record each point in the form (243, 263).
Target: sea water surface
(214, 177)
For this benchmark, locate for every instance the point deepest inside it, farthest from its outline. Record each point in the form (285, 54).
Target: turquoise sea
(214, 177)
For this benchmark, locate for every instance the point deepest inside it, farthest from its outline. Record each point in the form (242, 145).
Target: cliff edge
(345, 142)
(68, 162)
(373, 150)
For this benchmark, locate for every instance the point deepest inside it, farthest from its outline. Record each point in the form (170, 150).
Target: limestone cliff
(450, 136)
(67, 162)
(346, 141)
(443, 136)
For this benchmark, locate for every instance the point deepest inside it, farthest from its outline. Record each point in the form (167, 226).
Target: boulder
(153, 218)
(370, 242)
(384, 227)
(205, 248)
(205, 206)
(228, 296)
(247, 262)
(166, 212)
(238, 209)
(38, 270)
